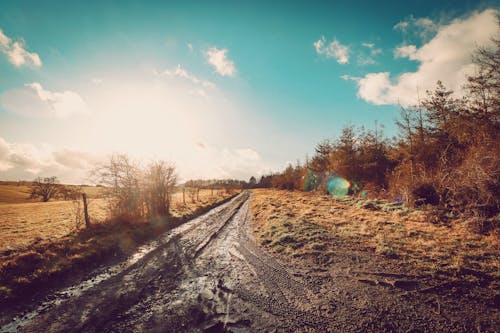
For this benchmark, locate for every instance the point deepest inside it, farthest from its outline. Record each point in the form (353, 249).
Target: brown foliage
(446, 156)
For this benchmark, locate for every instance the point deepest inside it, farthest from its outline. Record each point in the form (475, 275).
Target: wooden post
(85, 210)
(184, 195)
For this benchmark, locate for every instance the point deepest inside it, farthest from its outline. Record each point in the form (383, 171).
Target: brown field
(298, 224)
(40, 243)
(11, 193)
(24, 221)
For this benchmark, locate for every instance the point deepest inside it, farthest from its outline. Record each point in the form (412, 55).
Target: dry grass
(23, 221)
(206, 197)
(49, 247)
(10, 193)
(297, 224)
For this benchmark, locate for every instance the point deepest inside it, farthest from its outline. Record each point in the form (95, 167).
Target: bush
(425, 194)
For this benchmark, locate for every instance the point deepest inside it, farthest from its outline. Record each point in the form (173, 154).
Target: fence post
(85, 210)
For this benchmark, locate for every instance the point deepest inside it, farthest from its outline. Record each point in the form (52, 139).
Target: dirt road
(209, 276)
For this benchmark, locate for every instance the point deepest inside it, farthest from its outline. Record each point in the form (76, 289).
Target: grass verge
(43, 265)
(298, 224)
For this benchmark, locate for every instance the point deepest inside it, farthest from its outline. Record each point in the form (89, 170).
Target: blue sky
(224, 89)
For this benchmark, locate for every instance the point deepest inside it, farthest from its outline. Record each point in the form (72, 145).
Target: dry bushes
(447, 155)
(137, 192)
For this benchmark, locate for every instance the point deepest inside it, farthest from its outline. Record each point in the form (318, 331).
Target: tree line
(446, 154)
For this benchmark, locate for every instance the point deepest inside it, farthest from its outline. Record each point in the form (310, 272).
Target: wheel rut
(208, 274)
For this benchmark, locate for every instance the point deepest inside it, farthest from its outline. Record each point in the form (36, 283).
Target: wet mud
(209, 275)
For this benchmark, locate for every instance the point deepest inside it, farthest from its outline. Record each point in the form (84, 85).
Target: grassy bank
(298, 224)
(24, 221)
(44, 263)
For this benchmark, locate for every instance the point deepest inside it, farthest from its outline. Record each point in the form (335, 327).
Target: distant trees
(44, 188)
(252, 182)
(193, 186)
(69, 192)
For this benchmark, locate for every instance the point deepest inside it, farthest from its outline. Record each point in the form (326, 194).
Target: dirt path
(209, 276)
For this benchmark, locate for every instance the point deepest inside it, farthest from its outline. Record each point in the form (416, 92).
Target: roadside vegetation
(322, 228)
(426, 202)
(446, 158)
(45, 242)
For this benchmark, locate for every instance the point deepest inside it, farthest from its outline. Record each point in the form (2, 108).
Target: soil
(209, 275)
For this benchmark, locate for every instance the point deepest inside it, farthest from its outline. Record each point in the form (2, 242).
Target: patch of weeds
(386, 250)
(383, 248)
(404, 211)
(266, 241)
(391, 206)
(285, 239)
(318, 246)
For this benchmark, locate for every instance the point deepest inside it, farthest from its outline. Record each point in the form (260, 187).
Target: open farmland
(21, 224)
(24, 221)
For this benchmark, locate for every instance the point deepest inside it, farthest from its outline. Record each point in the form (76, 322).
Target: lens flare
(337, 186)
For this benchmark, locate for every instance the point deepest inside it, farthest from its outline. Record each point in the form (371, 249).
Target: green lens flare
(337, 186)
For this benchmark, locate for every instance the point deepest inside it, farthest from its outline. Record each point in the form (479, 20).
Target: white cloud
(34, 100)
(190, 46)
(347, 77)
(365, 60)
(182, 73)
(97, 80)
(239, 163)
(446, 57)
(422, 27)
(406, 51)
(21, 161)
(248, 154)
(373, 50)
(16, 52)
(223, 162)
(402, 26)
(220, 61)
(334, 49)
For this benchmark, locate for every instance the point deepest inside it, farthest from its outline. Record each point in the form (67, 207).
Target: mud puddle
(100, 275)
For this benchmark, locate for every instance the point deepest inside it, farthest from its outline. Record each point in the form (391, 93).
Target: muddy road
(208, 275)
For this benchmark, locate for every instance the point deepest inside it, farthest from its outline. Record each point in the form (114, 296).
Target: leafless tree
(44, 188)
(160, 181)
(121, 177)
(134, 191)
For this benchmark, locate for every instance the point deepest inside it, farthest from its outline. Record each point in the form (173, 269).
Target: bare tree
(121, 177)
(137, 192)
(44, 188)
(160, 181)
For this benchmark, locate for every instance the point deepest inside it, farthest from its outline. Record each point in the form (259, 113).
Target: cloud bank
(33, 100)
(20, 161)
(445, 57)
